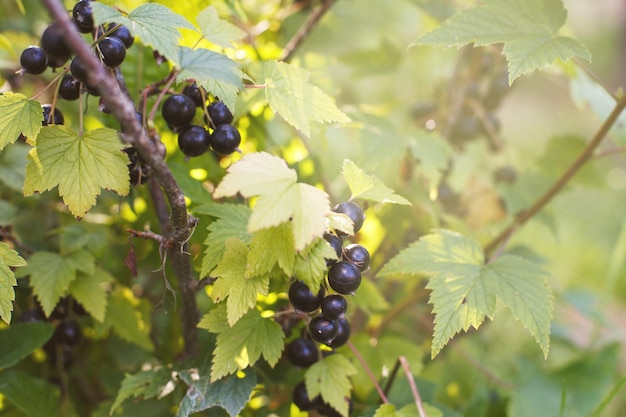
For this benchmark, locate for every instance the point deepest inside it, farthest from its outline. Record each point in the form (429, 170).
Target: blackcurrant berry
(358, 255)
(178, 110)
(112, 51)
(219, 113)
(69, 88)
(505, 174)
(78, 70)
(122, 33)
(67, 333)
(344, 277)
(138, 174)
(32, 315)
(334, 306)
(322, 329)
(59, 353)
(193, 91)
(93, 90)
(303, 299)
(302, 400)
(57, 117)
(34, 60)
(53, 44)
(83, 16)
(336, 243)
(327, 410)
(193, 140)
(352, 210)
(225, 139)
(302, 352)
(343, 333)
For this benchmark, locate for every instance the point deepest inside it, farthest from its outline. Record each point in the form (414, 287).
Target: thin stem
(416, 394)
(583, 157)
(369, 372)
(164, 91)
(593, 76)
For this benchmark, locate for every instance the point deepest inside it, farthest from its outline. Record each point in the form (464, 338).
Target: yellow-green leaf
(81, 166)
(8, 259)
(217, 30)
(330, 379)
(18, 115)
(369, 187)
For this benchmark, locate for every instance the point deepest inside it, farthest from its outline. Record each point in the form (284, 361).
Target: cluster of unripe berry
(326, 308)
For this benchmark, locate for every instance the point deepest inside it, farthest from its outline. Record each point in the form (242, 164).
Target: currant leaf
(330, 379)
(9, 258)
(18, 115)
(217, 30)
(369, 187)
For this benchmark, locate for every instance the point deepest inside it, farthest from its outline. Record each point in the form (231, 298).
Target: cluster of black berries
(179, 110)
(67, 334)
(327, 307)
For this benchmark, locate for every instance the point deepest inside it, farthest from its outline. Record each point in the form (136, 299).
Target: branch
(416, 394)
(296, 41)
(369, 372)
(122, 107)
(584, 156)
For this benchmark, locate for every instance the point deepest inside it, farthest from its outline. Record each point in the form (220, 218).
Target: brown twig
(416, 394)
(369, 372)
(182, 224)
(305, 30)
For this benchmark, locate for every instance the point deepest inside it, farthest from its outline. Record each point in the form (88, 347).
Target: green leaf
(217, 73)
(126, 319)
(156, 25)
(232, 223)
(89, 291)
(32, 396)
(51, 274)
(232, 284)
(528, 29)
(8, 259)
(290, 94)
(330, 379)
(80, 165)
(281, 198)
(13, 166)
(243, 344)
(310, 264)
(464, 289)
(217, 30)
(433, 153)
(368, 187)
(7, 213)
(231, 393)
(20, 340)
(145, 384)
(269, 247)
(18, 115)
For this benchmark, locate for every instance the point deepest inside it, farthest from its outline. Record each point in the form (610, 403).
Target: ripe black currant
(358, 255)
(302, 352)
(78, 70)
(193, 140)
(112, 51)
(93, 90)
(67, 333)
(122, 33)
(343, 333)
(334, 306)
(302, 400)
(225, 139)
(193, 91)
(34, 60)
(178, 110)
(57, 117)
(69, 88)
(54, 45)
(83, 16)
(352, 210)
(303, 299)
(322, 329)
(32, 315)
(219, 113)
(344, 277)
(336, 243)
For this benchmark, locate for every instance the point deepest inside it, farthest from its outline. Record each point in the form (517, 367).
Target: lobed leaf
(270, 247)
(9, 258)
(18, 115)
(33, 397)
(89, 291)
(217, 30)
(368, 187)
(329, 378)
(20, 340)
(145, 384)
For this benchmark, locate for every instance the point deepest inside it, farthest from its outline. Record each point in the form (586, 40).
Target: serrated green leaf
(465, 290)
(528, 29)
(290, 94)
(269, 247)
(156, 25)
(18, 115)
(51, 274)
(386, 410)
(32, 396)
(330, 379)
(368, 187)
(244, 343)
(89, 291)
(215, 320)
(281, 198)
(232, 284)
(217, 30)
(20, 340)
(231, 393)
(310, 264)
(217, 73)
(9, 258)
(410, 410)
(232, 222)
(13, 166)
(80, 165)
(341, 222)
(144, 384)
(127, 321)
(433, 153)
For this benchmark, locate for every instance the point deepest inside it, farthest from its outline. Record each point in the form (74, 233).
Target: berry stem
(416, 394)
(544, 199)
(368, 371)
(168, 84)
